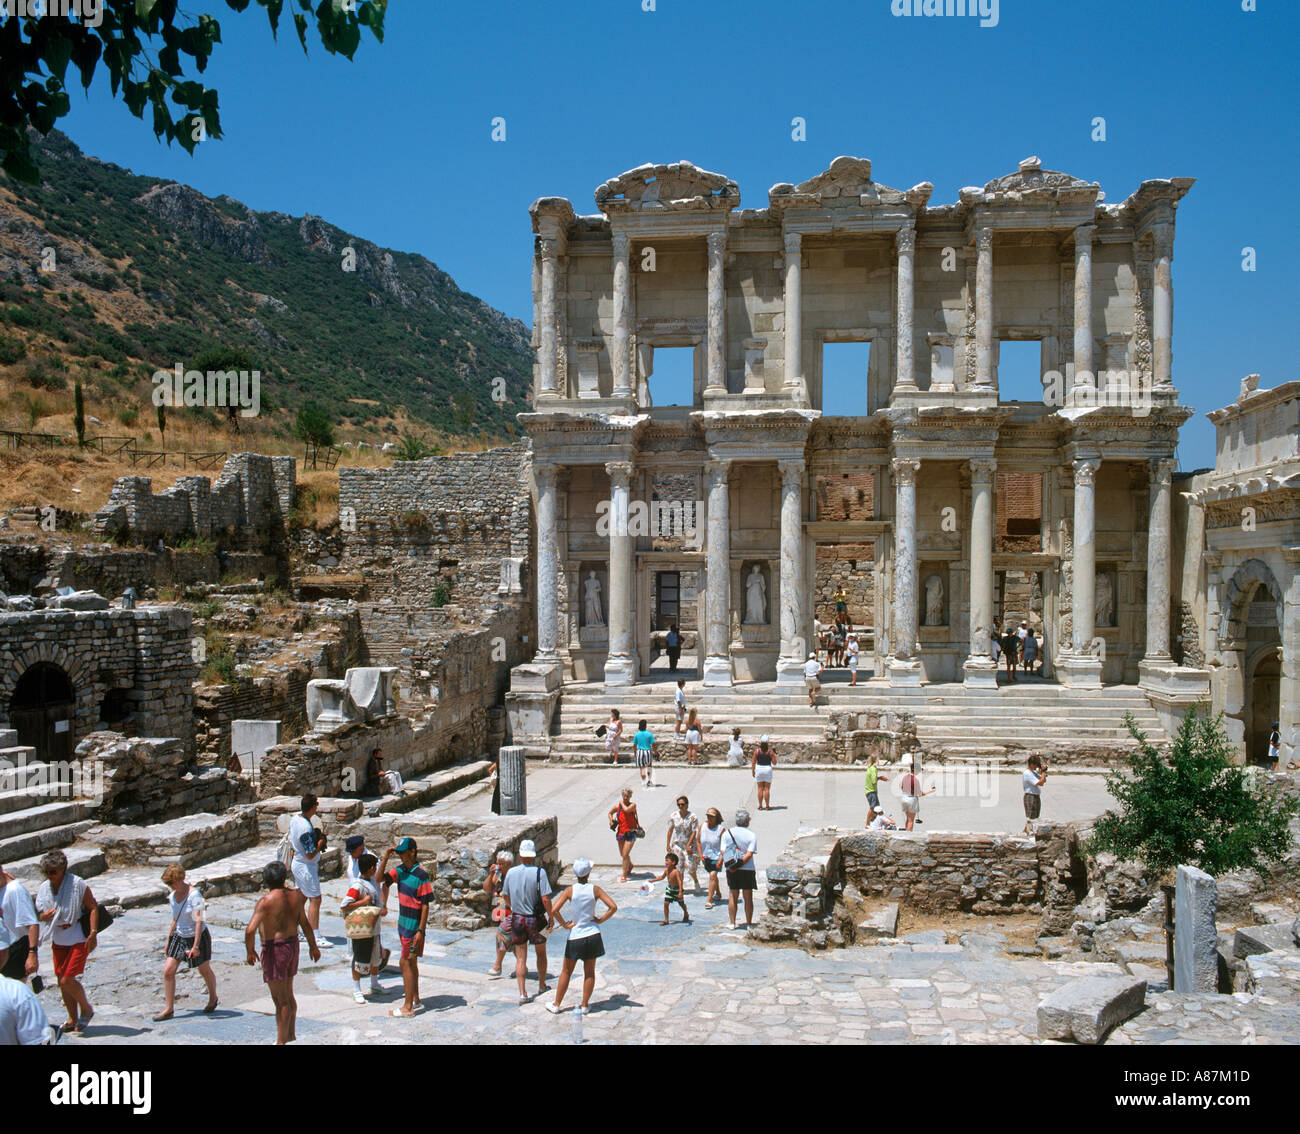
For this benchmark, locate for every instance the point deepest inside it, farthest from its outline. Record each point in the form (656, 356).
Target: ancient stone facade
(1080, 545)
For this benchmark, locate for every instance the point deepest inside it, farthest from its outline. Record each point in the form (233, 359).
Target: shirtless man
(279, 915)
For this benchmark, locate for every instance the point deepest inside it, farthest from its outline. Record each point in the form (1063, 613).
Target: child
(366, 951)
(880, 821)
(673, 891)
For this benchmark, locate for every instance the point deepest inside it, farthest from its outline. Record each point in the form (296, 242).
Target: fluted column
(1084, 374)
(906, 241)
(548, 563)
(1158, 562)
(904, 669)
(621, 355)
(984, 309)
(980, 669)
(794, 383)
(794, 644)
(717, 626)
(1162, 307)
(717, 314)
(620, 664)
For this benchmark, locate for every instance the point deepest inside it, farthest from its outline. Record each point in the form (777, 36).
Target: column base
(789, 671)
(904, 674)
(620, 671)
(1079, 671)
(1162, 676)
(717, 671)
(980, 673)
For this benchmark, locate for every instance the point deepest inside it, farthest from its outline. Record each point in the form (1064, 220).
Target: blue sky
(396, 146)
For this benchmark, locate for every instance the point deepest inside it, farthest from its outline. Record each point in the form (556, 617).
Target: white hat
(763, 739)
(812, 656)
(878, 810)
(582, 867)
(527, 849)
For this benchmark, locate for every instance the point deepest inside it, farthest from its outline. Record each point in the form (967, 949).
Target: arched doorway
(41, 710)
(1264, 698)
(1250, 638)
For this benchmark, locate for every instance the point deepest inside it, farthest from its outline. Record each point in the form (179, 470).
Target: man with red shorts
(414, 893)
(279, 915)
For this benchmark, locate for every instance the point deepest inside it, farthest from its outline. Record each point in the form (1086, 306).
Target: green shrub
(12, 349)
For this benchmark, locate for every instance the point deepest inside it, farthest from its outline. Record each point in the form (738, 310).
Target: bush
(441, 596)
(1195, 808)
(12, 349)
(44, 374)
(128, 416)
(411, 448)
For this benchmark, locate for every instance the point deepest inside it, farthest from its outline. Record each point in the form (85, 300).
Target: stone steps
(38, 841)
(83, 861)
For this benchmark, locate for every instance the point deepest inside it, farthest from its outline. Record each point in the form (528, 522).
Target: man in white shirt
(18, 915)
(679, 704)
(1034, 777)
(307, 845)
(739, 846)
(812, 670)
(22, 1019)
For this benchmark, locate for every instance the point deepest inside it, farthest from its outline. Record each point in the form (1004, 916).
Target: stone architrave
(1196, 937)
(904, 669)
(794, 647)
(717, 601)
(512, 768)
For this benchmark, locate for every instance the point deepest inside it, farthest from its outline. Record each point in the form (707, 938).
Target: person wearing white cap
(812, 670)
(760, 767)
(22, 1019)
(528, 890)
(585, 943)
(852, 650)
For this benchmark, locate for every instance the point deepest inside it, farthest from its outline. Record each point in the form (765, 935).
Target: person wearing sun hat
(812, 670)
(585, 943)
(528, 890)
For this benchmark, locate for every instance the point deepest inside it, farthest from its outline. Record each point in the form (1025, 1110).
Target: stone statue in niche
(593, 615)
(756, 597)
(934, 601)
(1105, 599)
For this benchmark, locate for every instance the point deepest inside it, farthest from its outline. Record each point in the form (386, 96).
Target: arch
(47, 652)
(42, 708)
(1245, 581)
(42, 684)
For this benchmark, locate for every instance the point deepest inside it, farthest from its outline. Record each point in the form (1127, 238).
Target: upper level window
(1020, 370)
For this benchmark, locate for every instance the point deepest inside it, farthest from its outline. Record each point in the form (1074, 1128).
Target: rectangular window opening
(1020, 370)
(845, 371)
(672, 381)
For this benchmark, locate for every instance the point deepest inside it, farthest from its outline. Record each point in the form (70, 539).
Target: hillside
(149, 273)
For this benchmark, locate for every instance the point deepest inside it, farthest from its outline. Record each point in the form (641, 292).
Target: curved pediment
(847, 181)
(680, 186)
(1031, 180)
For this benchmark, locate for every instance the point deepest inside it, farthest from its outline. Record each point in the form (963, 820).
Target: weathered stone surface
(883, 922)
(1086, 1009)
(1196, 940)
(1263, 939)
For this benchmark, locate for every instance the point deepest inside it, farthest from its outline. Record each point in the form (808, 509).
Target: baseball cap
(407, 844)
(582, 867)
(354, 841)
(812, 656)
(527, 849)
(763, 739)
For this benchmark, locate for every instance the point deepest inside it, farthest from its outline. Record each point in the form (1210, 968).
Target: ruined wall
(851, 566)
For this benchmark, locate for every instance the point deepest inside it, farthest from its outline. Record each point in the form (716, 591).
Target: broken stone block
(881, 923)
(328, 704)
(1262, 939)
(1086, 1009)
(1196, 939)
(78, 600)
(1156, 976)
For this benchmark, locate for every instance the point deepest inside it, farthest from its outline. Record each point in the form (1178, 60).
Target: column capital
(1085, 470)
(1162, 471)
(622, 245)
(791, 471)
(717, 240)
(549, 247)
(717, 468)
(1083, 233)
(982, 469)
(905, 469)
(793, 242)
(984, 238)
(544, 475)
(1162, 234)
(905, 237)
(620, 471)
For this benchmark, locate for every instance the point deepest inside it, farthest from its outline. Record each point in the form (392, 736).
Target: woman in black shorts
(585, 943)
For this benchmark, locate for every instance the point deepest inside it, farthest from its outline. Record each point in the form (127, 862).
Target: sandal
(400, 1013)
(71, 1026)
(160, 1018)
(210, 1007)
(708, 905)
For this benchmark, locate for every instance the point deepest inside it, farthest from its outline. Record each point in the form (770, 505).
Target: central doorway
(41, 711)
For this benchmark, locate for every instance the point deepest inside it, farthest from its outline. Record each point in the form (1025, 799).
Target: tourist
(1010, 652)
(841, 602)
(18, 915)
(694, 736)
(643, 740)
(355, 845)
(68, 909)
(684, 839)
(912, 792)
(836, 656)
(812, 671)
(995, 643)
(380, 781)
(1035, 775)
(819, 635)
(528, 890)
(1029, 652)
(710, 844)
(880, 821)
(278, 916)
(852, 650)
(764, 760)
(624, 823)
(585, 943)
(679, 705)
(414, 893)
(367, 950)
(674, 643)
(1274, 746)
(740, 846)
(22, 1019)
(672, 876)
(736, 750)
(188, 940)
(1022, 632)
(614, 735)
(308, 845)
(492, 886)
(874, 780)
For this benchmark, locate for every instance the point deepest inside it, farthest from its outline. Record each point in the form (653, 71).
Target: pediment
(1031, 181)
(846, 182)
(678, 186)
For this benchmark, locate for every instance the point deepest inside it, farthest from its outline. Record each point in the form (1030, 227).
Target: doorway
(1265, 701)
(41, 711)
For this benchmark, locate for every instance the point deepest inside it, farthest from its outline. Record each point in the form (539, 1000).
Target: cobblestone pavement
(698, 983)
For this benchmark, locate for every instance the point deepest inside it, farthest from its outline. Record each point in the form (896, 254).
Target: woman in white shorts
(613, 735)
(694, 736)
(911, 793)
(761, 767)
(852, 650)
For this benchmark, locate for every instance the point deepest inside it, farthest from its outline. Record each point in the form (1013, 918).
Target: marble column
(906, 241)
(1162, 307)
(717, 315)
(620, 663)
(717, 625)
(620, 356)
(1158, 562)
(1080, 667)
(794, 642)
(980, 669)
(547, 359)
(794, 382)
(984, 309)
(904, 669)
(548, 563)
(1084, 374)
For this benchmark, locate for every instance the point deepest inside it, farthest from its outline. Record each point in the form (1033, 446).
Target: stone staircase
(36, 813)
(954, 724)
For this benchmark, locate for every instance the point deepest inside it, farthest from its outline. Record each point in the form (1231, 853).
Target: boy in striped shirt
(414, 893)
